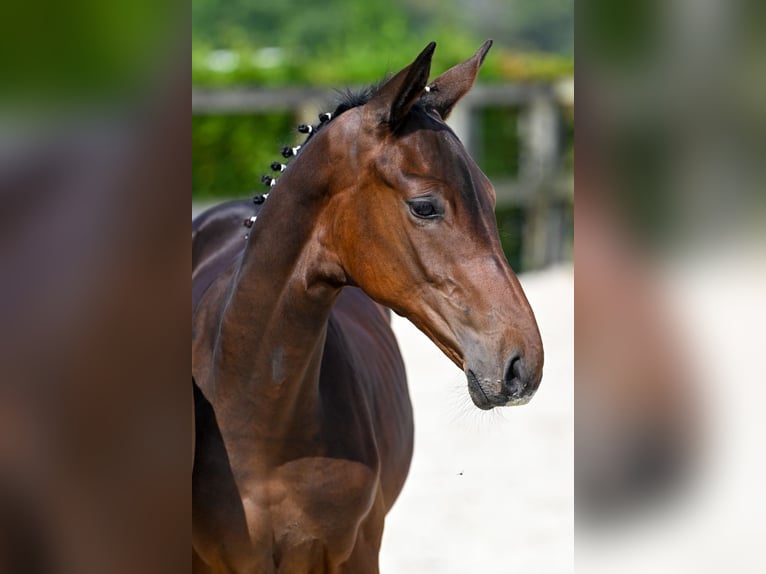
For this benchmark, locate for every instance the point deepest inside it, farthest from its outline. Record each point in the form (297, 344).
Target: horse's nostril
(514, 375)
(513, 368)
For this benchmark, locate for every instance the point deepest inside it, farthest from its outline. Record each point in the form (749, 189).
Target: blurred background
(259, 69)
(94, 252)
(671, 276)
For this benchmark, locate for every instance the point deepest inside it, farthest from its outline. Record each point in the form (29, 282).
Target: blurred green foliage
(60, 55)
(510, 225)
(230, 153)
(567, 117)
(499, 142)
(346, 41)
(623, 33)
(282, 66)
(536, 25)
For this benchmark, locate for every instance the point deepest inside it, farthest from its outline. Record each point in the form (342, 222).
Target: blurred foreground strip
(670, 275)
(94, 260)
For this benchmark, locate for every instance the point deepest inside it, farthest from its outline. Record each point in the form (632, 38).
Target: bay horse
(303, 423)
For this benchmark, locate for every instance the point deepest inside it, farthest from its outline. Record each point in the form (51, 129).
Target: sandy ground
(489, 492)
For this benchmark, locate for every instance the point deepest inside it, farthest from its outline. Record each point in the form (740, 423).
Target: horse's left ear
(446, 90)
(394, 99)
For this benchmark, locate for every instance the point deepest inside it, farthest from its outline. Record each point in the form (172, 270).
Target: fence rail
(251, 99)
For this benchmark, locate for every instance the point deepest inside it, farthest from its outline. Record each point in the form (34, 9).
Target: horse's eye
(423, 208)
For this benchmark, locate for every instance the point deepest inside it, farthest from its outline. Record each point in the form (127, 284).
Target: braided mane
(346, 99)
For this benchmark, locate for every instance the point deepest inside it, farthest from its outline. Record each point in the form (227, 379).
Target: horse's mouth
(486, 401)
(479, 395)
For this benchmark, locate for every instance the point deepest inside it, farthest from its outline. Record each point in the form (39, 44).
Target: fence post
(540, 137)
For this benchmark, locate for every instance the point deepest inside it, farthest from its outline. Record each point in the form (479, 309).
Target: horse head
(411, 221)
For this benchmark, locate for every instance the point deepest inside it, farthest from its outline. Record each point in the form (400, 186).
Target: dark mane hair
(348, 98)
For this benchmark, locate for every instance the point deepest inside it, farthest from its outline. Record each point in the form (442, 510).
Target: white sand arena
(489, 492)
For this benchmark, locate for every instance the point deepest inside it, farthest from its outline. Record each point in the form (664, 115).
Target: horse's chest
(310, 510)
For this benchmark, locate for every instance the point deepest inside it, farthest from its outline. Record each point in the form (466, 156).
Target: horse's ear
(394, 99)
(446, 90)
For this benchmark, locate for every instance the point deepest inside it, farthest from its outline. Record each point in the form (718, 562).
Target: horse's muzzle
(517, 387)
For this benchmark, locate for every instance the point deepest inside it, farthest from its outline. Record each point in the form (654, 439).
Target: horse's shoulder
(361, 330)
(355, 313)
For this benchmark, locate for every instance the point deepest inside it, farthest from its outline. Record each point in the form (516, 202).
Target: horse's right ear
(394, 99)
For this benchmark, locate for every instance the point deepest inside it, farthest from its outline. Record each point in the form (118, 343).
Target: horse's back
(218, 237)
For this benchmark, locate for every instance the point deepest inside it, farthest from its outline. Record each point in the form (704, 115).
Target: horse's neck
(273, 328)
